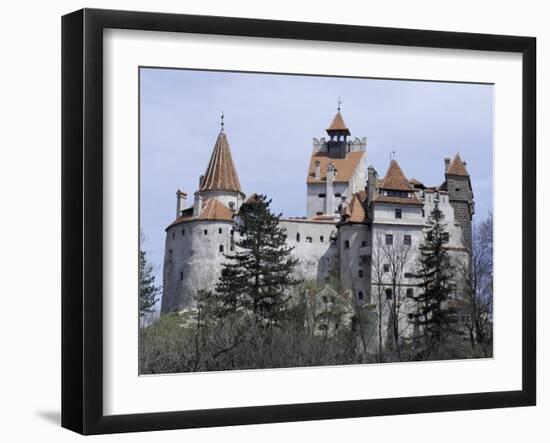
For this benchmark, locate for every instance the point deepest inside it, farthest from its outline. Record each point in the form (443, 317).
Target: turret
(181, 198)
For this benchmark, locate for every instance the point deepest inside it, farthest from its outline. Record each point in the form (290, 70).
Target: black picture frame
(82, 218)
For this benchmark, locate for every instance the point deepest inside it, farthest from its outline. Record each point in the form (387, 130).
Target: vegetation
(149, 292)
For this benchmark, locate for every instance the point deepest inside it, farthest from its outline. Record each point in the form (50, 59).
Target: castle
(352, 216)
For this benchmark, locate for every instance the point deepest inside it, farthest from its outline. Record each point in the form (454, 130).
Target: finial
(339, 104)
(392, 156)
(222, 124)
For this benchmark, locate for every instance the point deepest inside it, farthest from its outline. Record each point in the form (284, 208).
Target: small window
(407, 240)
(360, 295)
(346, 244)
(319, 213)
(298, 237)
(389, 293)
(322, 195)
(411, 316)
(220, 248)
(423, 213)
(309, 240)
(231, 248)
(445, 237)
(183, 232)
(220, 231)
(398, 213)
(321, 239)
(232, 232)
(409, 275)
(363, 243)
(325, 299)
(206, 232)
(173, 235)
(410, 292)
(386, 267)
(361, 273)
(338, 194)
(389, 239)
(181, 275)
(457, 189)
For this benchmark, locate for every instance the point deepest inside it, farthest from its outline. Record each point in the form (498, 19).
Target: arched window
(361, 273)
(360, 295)
(346, 244)
(297, 236)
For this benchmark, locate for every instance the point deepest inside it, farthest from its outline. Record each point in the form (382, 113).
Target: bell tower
(337, 145)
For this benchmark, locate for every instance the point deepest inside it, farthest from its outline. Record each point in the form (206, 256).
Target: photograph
(316, 220)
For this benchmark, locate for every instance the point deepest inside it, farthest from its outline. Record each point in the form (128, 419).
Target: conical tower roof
(395, 179)
(338, 124)
(457, 167)
(221, 174)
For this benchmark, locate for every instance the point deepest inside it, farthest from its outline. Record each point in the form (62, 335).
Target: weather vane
(222, 121)
(339, 104)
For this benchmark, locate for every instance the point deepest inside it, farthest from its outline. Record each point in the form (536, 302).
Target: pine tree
(433, 320)
(148, 291)
(257, 276)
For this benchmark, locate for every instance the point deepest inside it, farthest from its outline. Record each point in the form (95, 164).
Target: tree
(258, 275)
(148, 291)
(478, 284)
(433, 319)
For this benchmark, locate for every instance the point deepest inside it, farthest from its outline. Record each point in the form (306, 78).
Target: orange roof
(221, 174)
(355, 212)
(345, 167)
(395, 179)
(397, 200)
(212, 209)
(457, 167)
(338, 124)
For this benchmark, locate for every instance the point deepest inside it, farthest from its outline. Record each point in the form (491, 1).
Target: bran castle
(352, 215)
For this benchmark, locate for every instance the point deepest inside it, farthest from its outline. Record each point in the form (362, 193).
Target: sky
(270, 121)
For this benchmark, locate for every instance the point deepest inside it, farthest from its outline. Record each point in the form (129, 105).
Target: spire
(395, 179)
(457, 167)
(221, 174)
(338, 125)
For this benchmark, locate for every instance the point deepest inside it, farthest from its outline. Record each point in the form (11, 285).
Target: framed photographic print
(270, 221)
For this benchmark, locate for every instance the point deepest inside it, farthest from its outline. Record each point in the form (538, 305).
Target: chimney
(371, 184)
(197, 205)
(447, 163)
(317, 169)
(181, 197)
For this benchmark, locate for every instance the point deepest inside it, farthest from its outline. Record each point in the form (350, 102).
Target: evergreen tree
(257, 276)
(433, 320)
(148, 291)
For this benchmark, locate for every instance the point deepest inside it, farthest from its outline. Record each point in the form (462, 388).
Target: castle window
(457, 189)
(206, 232)
(170, 255)
(181, 275)
(398, 213)
(325, 299)
(309, 240)
(423, 213)
(220, 231)
(319, 213)
(346, 244)
(389, 293)
(389, 239)
(407, 240)
(298, 237)
(338, 194)
(386, 267)
(221, 248)
(321, 239)
(411, 316)
(361, 273)
(363, 243)
(410, 292)
(183, 232)
(445, 237)
(231, 248)
(322, 195)
(409, 275)
(173, 235)
(360, 295)
(232, 232)
(232, 206)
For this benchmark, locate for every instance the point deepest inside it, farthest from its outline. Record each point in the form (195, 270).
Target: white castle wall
(193, 260)
(224, 197)
(314, 249)
(354, 251)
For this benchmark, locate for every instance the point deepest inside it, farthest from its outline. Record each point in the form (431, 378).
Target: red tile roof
(212, 209)
(345, 167)
(395, 179)
(338, 124)
(355, 212)
(457, 167)
(221, 174)
(397, 200)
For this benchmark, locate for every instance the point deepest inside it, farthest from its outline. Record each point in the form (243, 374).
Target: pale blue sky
(270, 121)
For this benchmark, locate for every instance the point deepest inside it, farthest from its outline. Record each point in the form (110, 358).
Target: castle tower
(336, 170)
(200, 236)
(461, 197)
